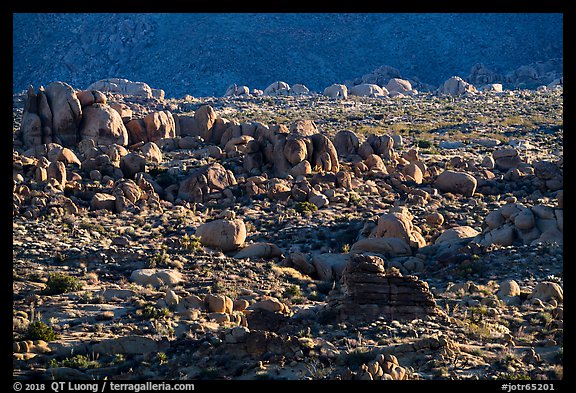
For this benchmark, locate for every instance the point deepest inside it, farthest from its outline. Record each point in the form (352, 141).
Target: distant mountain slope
(202, 54)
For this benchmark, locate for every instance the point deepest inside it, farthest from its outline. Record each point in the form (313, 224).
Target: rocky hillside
(202, 54)
(288, 237)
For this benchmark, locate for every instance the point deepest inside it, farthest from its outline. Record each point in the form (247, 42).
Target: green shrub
(40, 331)
(424, 144)
(61, 283)
(292, 291)
(151, 312)
(78, 361)
(305, 208)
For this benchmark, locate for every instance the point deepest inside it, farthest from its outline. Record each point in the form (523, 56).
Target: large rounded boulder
(104, 125)
(225, 235)
(456, 182)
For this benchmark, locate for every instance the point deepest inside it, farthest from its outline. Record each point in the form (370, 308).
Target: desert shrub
(40, 331)
(61, 283)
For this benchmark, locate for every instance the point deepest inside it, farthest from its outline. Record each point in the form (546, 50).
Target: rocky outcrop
(205, 181)
(122, 86)
(369, 292)
(66, 113)
(456, 86)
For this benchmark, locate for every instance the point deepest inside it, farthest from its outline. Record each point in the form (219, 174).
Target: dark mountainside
(202, 54)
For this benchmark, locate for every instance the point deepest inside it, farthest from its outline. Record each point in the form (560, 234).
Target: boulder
(508, 288)
(159, 125)
(187, 126)
(434, 219)
(456, 234)
(219, 303)
(205, 118)
(329, 266)
(123, 110)
(299, 89)
(398, 224)
(525, 220)
(89, 97)
(303, 128)
(492, 87)
(368, 292)
(152, 152)
(336, 91)
(382, 145)
(204, 181)
(324, 155)
(279, 189)
(399, 86)
(127, 345)
(136, 129)
(131, 164)
(346, 143)
(103, 201)
(277, 87)
(456, 86)
(156, 277)
(506, 158)
(57, 170)
(413, 171)
(259, 250)
(546, 291)
(31, 125)
(456, 183)
(375, 163)
(368, 90)
(270, 304)
(122, 86)
(387, 246)
(104, 125)
(503, 236)
(301, 169)
(45, 114)
(225, 235)
(235, 90)
(66, 113)
(295, 150)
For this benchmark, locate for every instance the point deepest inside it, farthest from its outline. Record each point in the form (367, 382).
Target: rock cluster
(126, 87)
(369, 292)
(383, 367)
(515, 223)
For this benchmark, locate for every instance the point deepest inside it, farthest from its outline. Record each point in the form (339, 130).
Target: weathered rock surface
(369, 292)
